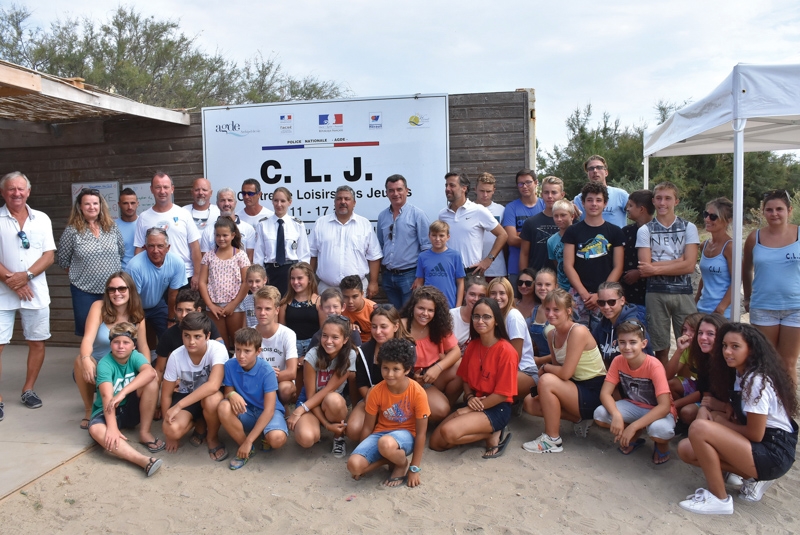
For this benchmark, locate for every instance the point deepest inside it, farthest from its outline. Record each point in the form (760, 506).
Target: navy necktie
(280, 245)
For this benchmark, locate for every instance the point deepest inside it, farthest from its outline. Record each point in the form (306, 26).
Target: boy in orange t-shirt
(396, 421)
(356, 307)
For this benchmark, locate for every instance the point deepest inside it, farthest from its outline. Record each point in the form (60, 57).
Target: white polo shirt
(208, 238)
(180, 228)
(203, 218)
(343, 249)
(254, 219)
(294, 236)
(39, 230)
(468, 225)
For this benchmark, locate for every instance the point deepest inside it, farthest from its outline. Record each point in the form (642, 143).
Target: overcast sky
(619, 56)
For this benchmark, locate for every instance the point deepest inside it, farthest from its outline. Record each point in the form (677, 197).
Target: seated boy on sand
(396, 421)
(127, 390)
(251, 406)
(196, 369)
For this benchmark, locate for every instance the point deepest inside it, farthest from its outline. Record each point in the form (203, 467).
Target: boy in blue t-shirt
(441, 267)
(251, 406)
(127, 390)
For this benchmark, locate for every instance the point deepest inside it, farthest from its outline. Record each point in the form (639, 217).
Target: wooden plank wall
(487, 133)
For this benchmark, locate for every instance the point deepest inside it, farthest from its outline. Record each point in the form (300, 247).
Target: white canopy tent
(756, 108)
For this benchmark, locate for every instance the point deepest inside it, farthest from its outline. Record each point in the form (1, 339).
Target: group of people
(550, 306)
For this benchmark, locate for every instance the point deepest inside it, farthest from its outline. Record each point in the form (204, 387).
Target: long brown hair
(393, 315)
(135, 310)
(79, 223)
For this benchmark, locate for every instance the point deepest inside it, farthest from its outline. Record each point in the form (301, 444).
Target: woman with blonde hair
(90, 249)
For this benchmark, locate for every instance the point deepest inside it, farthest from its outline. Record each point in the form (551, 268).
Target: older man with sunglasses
(27, 248)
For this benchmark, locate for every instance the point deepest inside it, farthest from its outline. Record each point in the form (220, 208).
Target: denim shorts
(774, 455)
(251, 415)
(662, 429)
(302, 347)
(35, 324)
(499, 415)
(369, 446)
(533, 373)
(770, 318)
(589, 395)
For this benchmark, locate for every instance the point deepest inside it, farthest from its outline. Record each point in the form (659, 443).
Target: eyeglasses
(596, 168)
(526, 284)
(200, 221)
(248, 193)
(775, 193)
(155, 230)
(118, 289)
(636, 323)
(604, 302)
(26, 244)
(90, 191)
(384, 306)
(391, 229)
(525, 184)
(339, 317)
(486, 318)
(709, 215)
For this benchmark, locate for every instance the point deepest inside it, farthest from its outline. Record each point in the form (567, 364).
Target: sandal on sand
(212, 452)
(658, 457)
(85, 425)
(402, 480)
(154, 446)
(500, 449)
(197, 438)
(152, 467)
(633, 446)
(239, 462)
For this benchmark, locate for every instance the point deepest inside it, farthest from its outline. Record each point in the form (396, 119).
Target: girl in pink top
(222, 274)
(427, 318)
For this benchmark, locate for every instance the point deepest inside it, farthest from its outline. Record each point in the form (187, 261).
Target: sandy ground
(590, 488)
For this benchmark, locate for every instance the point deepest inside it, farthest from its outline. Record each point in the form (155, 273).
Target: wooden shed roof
(28, 96)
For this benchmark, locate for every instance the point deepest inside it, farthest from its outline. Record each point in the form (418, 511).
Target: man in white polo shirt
(27, 248)
(184, 237)
(252, 212)
(469, 222)
(343, 243)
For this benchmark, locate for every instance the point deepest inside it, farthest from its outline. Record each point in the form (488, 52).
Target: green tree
(150, 61)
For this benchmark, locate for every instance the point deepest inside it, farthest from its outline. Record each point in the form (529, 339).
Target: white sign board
(143, 195)
(313, 147)
(108, 190)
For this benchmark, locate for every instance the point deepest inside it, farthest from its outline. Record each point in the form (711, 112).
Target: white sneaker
(703, 502)
(339, 449)
(734, 480)
(582, 428)
(544, 444)
(753, 490)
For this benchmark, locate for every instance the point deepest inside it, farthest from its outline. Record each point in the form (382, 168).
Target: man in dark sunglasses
(27, 248)
(253, 212)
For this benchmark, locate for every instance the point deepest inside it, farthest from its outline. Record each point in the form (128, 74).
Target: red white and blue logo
(331, 119)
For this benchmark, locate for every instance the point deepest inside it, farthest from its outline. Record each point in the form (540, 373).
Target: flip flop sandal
(154, 446)
(633, 447)
(239, 462)
(197, 439)
(85, 426)
(658, 457)
(501, 446)
(152, 467)
(212, 452)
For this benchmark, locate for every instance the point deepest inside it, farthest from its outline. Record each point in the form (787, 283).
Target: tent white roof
(768, 96)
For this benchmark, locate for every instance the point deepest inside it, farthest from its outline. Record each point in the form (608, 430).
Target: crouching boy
(251, 407)
(127, 390)
(646, 402)
(396, 421)
(190, 390)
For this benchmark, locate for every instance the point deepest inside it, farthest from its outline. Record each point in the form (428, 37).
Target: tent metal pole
(738, 219)
(647, 172)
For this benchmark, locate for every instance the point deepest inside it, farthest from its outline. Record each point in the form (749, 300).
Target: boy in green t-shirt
(127, 390)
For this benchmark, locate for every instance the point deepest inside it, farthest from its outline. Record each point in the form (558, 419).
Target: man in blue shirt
(156, 271)
(128, 205)
(403, 234)
(614, 212)
(516, 213)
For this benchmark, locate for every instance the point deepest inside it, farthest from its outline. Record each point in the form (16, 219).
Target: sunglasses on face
(709, 215)
(604, 302)
(248, 193)
(26, 244)
(526, 284)
(121, 289)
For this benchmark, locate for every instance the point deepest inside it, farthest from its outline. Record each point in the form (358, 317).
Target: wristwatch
(414, 469)
(491, 257)
(30, 275)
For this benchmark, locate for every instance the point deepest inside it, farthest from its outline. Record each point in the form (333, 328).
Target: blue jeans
(81, 303)
(398, 287)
